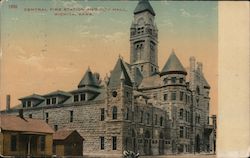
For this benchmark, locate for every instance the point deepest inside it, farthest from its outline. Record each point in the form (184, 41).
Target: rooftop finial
(88, 68)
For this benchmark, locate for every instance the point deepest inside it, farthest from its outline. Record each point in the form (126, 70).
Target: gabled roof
(88, 80)
(64, 134)
(173, 65)
(16, 123)
(142, 6)
(151, 82)
(118, 72)
(33, 96)
(58, 92)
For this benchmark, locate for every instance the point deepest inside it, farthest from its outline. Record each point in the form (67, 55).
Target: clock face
(140, 22)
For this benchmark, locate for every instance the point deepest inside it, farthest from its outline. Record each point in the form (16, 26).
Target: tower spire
(144, 40)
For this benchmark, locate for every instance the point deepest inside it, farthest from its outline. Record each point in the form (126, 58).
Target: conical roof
(142, 6)
(88, 80)
(119, 73)
(173, 65)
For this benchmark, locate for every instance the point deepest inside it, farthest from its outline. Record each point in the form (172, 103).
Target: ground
(183, 156)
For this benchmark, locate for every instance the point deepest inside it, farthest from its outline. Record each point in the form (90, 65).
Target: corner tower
(144, 40)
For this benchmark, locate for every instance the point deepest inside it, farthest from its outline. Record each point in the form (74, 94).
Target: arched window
(148, 117)
(141, 120)
(198, 90)
(181, 113)
(114, 113)
(161, 121)
(127, 114)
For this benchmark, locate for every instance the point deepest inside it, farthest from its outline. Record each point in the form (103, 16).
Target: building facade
(137, 107)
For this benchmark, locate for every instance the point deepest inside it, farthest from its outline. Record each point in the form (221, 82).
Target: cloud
(115, 36)
(185, 13)
(167, 23)
(118, 21)
(165, 2)
(36, 60)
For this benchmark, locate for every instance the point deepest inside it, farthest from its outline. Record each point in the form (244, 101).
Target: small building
(67, 143)
(23, 137)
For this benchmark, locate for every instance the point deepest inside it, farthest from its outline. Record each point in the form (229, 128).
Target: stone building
(137, 107)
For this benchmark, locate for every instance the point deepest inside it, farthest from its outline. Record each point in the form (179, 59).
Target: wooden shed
(22, 137)
(67, 143)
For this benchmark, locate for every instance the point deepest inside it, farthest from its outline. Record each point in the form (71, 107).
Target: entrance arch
(161, 144)
(147, 143)
(197, 143)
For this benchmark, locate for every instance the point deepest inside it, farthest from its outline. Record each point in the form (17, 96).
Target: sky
(43, 49)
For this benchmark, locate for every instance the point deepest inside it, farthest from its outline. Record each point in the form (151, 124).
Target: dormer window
(24, 104)
(48, 101)
(82, 96)
(76, 98)
(53, 100)
(29, 103)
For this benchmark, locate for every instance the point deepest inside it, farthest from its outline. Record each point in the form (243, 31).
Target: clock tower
(144, 40)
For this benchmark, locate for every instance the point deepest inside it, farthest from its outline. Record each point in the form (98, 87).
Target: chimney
(21, 113)
(199, 66)
(192, 63)
(7, 102)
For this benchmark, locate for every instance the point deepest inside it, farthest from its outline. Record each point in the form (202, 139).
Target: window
(30, 115)
(24, 104)
(102, 143)
(55, 127)
(127, 114)
(181, 131)
(114, 113)
(48, 101)
(71, 116)
(148, 117)
(181, 114)
(82, 96)
(42, 143)
(187, 132)
(165, 97)
(29, 103)
(181, 96)
(161, 121)
(186, 116)
(173, 79)
(114, 143)
(156, 119)
(53, 100)
(152, 69)
(133, 116)
(141, 68)
(141, 117)
(173, 96)
(47, 117)
(102, 114)
(13, 142)
(181, 80)
(76, 98)
(114, 93)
